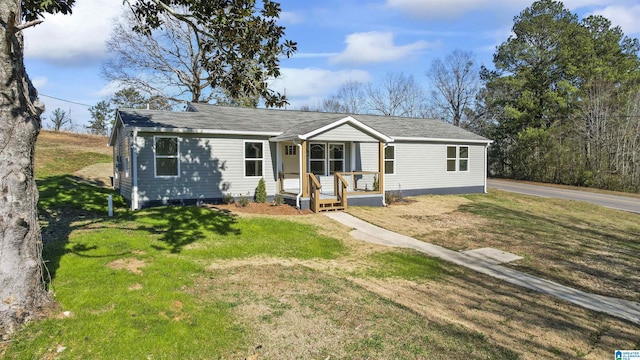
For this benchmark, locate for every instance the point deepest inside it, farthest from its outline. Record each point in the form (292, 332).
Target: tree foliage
(101, 116)
(561, 104)
(237, 38)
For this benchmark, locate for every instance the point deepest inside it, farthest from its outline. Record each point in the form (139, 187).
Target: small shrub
(278, 200)
(376, 183)
(227, 199)
(393, 197)
(261, 192)
(243, 201)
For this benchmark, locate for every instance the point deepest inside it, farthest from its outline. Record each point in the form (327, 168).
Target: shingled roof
(223, 119)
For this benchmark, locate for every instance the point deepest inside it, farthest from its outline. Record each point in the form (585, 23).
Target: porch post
(381, 167)
(303, 170)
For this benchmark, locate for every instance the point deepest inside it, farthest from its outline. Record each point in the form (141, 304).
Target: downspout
(486, 168)
(384, 183)
(134, 172)
(299, 145)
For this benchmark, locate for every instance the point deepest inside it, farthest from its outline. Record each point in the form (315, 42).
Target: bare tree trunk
(22, 291)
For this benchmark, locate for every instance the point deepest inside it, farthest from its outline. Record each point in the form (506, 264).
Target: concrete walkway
(624, 309)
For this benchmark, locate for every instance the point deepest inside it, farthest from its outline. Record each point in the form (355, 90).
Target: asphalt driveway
(611, 201)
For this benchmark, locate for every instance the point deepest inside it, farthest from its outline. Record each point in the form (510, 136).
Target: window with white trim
(167, 154)
(457, 158)
(317, 157)
(253, 158)
(336, 158)
(127, 154)
(389, 159)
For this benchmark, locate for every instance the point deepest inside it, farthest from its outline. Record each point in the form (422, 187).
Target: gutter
(134, 172)
(299, 145)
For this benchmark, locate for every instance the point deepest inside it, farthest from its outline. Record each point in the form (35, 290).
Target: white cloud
(39, 81)
(308, 85)
(623, 16)
(289, 17)
(374, 46)
(110, 88)
(76, 39)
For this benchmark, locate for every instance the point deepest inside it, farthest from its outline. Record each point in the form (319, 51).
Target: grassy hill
(60, 153)
(197, 283)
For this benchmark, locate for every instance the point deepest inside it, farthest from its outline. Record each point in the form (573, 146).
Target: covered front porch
(331, 167)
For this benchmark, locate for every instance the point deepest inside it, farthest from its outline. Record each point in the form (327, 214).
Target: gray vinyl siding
(420, 165)
(343, 133)
(122, 180)
(209, 167)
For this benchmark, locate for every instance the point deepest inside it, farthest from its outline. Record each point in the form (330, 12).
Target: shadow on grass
(68, 204)
(181, 226)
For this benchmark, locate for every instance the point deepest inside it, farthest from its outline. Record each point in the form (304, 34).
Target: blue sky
(338, 41)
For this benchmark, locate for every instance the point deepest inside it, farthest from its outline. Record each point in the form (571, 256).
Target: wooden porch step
(330, 205)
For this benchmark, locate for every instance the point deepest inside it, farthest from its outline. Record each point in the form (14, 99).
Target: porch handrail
(341, 185)
(283, 175)
(314, 194)
(354, 187)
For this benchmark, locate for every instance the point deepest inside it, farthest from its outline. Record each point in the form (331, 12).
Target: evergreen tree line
(563, 103)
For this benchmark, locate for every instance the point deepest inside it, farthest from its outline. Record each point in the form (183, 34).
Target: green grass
(408, 265)
(162, 308)
(117, 313)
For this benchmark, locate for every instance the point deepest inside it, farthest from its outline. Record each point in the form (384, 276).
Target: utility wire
(69, 101)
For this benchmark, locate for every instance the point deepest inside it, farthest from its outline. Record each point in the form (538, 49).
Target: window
(290, 150)
(389, 159)
(336, 158)
(127, 152)
(253, 158)
(166, 156)
(457, 158)
(317, 156)
(463, 158)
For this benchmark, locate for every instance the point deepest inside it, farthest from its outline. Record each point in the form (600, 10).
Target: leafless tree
(350, 98)
(455, 82)
(397, 95)
(59, 118)
(165, 61)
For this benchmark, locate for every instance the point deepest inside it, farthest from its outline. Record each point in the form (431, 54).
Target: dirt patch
(130, 264)
(97, 174)
(261, 208)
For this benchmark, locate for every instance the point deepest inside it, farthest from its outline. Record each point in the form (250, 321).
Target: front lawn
(574, 243)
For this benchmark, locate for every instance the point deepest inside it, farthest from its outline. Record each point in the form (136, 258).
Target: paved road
(611, 201)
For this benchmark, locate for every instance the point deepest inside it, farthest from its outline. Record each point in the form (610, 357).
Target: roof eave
(443, 140)
(205, 131)
(114, 129)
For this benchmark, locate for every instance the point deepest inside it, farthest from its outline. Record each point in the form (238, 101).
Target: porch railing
(314, 194)
(359, 182)
(341, 186)
(286, 181)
